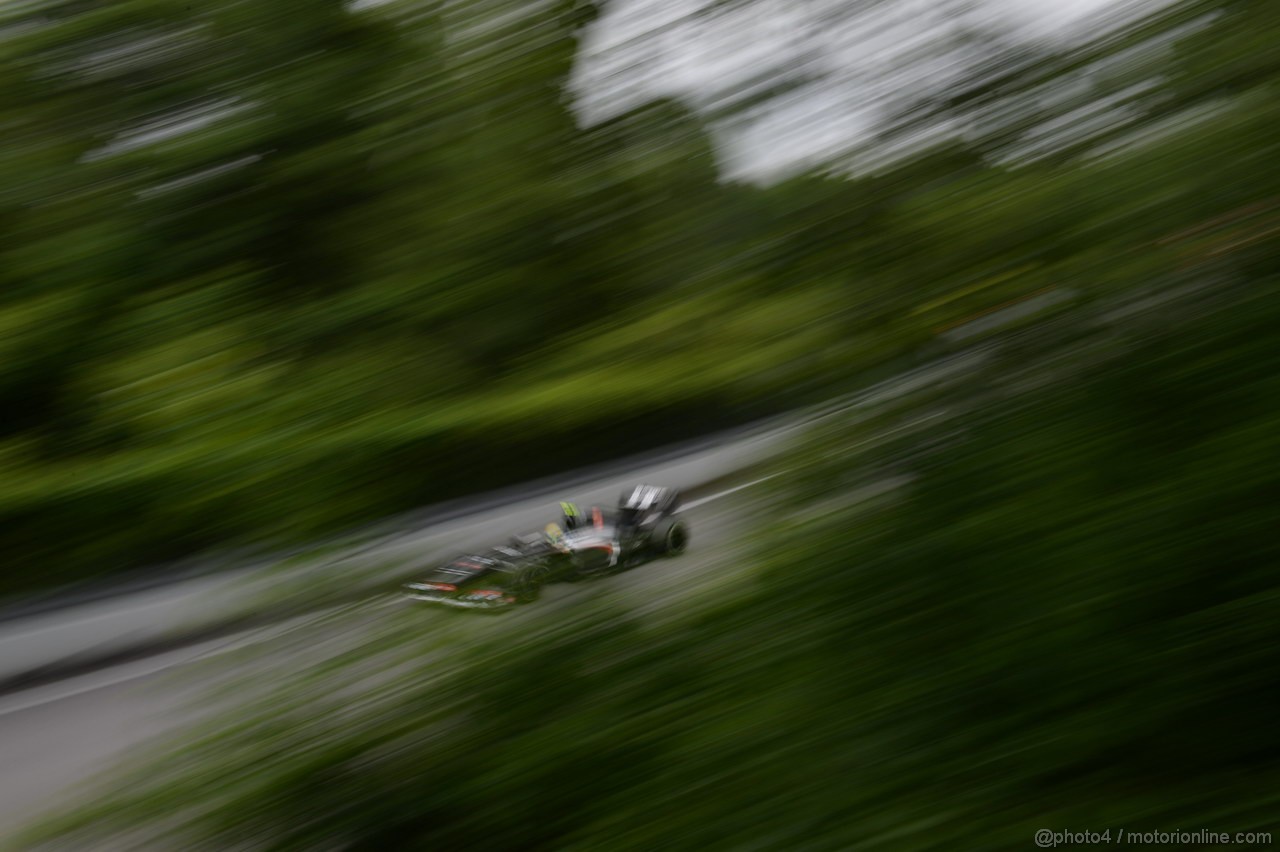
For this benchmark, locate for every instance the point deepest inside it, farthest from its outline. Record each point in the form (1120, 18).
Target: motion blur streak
(272, 270)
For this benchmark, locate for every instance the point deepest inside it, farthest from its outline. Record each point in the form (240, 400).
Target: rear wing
(647, 497)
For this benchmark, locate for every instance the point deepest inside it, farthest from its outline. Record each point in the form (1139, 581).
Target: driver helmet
(572, 514)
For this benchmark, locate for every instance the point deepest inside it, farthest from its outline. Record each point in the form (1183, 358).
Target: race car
(645, 526)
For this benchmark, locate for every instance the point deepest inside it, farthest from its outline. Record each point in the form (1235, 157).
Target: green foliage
(267, 271)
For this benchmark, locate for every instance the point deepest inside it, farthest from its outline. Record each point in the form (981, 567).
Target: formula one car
(645, 526)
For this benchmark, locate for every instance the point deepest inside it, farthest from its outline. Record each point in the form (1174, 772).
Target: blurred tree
(268, 242)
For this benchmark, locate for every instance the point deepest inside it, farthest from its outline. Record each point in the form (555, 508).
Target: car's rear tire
(532, 578)
(670, 536)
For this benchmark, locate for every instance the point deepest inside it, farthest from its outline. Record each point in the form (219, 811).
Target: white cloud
(867, 54)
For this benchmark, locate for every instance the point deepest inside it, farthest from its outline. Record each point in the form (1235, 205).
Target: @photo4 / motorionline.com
(1049, 839)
